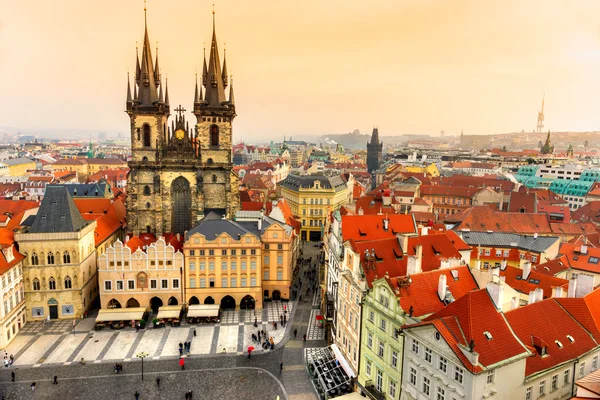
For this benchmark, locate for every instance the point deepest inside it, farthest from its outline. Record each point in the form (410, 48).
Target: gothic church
(179, 174)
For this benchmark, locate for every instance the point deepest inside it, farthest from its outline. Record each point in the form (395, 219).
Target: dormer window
(487, 335)
(559, 344)
(571, 338)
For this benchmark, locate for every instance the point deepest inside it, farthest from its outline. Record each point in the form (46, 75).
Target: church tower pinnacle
(540, 119)
(374, 152)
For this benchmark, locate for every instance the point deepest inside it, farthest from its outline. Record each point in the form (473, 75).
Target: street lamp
(142, 355)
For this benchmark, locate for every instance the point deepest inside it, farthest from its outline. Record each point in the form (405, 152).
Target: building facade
(12, 311)
(59, 268)
(177, 174)
(140, 276)
(374, 152)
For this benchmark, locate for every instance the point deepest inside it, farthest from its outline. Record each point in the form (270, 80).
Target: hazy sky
(312, 67)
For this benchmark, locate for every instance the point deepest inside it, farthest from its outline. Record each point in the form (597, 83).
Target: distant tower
(374, 152)
(547, 148)
(570, 151)
(540, 120)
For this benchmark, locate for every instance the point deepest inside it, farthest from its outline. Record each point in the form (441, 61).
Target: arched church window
(146, 190)
(147, 141)
(148, 205)
(214, 179)
(34, 259)
(51, 284)
(66, 258)
(68, 284)
(50, 258)
(214, 135)
(145, 159)
(36, 284)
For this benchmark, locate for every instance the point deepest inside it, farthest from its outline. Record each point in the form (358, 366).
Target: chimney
(572, 287)
(360, 211)
(532, 297)
(514, 303)
(444, 264)
(412, 266)
(496, 292)
(442, 287)
(403, 242)
(526, 270)
(386, 223)
(585, 285)
(420, 257)
(260, 220)
(495, 272)
(478, 265)
(584, 250)
(535, 235)
(503, 264)
(424, 231)
(539, 294)
(558, 292)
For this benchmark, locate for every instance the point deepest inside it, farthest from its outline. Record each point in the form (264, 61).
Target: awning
(319, 317)
(340, 357)
(168, 312)
(120, 314)
(203, 310)
(350, 396)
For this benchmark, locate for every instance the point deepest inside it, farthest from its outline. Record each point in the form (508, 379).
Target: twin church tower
(179, 174)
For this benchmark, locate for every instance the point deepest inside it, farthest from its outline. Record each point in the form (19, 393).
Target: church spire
(204, 68)
(167, 91)
(375, 136)
(129, 99)
(231, 99)
(215, 88)
(147, 80)
(224, 73)
(196, 98)
(156, 68)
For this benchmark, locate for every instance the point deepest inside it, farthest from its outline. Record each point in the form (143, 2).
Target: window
(50, 258)
(368, 368)
(379, 380)
(202, 282)
(253, 265)
(267, 260)
(279, 275)
(428, 355)
(192, 266)
(533, 258)
(528, 393)
(413, 376)
(394, 358)
(36, 284)
(193, 252)
(130, 284)
(233, 282)
(147, 190)
(234, 266)
(554, 383)
(175, 283)
(279, 246)
(223, 282)
(279, 260)
(202, 253)
(458, 375)
(498, 253)
(243, 252)
(66, 258)
(415, 346)
(381, 349)
(214, 135)
(594, 363)
(443, 364)
(68, 282)
(371, 315)
(211, 252)
(370, 340)
(224, 266)
(581, 370)
(34, 259)
(392, 389)
(253, 252)
(192, 282)
(223, 252)
(153, 284)
(441, 393)
(164, 283)
(426, 385)
(211, 265)
(244, 282)
(107, 285)
(487, 252)
(211, 282)
(233, 252)
(566, 377)
(253, 281)
(506, 253)
(243, 265)
(491, 375)
(51, 284)
(147, 140)
(266, 277)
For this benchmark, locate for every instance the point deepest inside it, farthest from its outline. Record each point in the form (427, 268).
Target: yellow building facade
(130, 276)
(311, 198)
(19, 166)
(238, 264)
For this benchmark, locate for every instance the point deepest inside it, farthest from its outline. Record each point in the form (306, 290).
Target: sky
(312, 67)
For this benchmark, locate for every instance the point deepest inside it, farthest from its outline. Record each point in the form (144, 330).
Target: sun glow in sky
(312, 67)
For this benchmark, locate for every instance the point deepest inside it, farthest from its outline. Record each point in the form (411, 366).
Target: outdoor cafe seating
(329, 371)
(119, 318)
(168, 315)
(203, 313)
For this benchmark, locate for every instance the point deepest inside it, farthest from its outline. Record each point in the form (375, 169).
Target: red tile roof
(16, 206)
(552, 267)
(482, 219)
(450, 191)
(589, 212)
(549, 322)
(570, 228)
(422, 292)
(370, 227)
(586, 310)
(109, 216)
(514, 278)
(584, 262)
(467, 319)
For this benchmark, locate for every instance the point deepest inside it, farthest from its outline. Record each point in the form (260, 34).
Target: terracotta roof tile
(370, 227)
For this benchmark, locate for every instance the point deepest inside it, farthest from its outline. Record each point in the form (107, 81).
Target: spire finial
(213, 17)
(145, 22)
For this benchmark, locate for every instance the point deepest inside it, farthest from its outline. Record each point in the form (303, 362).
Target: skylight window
(571, 338)
(593, 260)
(487, 335)
(559, 344)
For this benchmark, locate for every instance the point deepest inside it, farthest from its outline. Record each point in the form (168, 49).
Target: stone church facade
(179, 174)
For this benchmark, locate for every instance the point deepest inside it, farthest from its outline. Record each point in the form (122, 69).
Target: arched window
(68, 283)
(66, 258)
(214, 135)
(214, 179)
(147, 141)
(50, 258)
(147, 190)
(51, 284)
(148, 205)
(145, 159)
(34, 259)
(36, 284)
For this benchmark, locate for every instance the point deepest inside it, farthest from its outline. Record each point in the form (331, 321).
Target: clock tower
(177, 174)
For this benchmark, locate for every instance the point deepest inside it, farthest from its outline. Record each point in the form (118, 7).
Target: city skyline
(329, 69)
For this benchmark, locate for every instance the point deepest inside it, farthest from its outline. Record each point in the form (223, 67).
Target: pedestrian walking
(32, 386)
(180, 352)
(304, 337)
(55, 381)
(295, 333)
(137, 395)
(281, 366)
(249, 354)
(158, 381)
(12, 375)
(182, 363)
(194, 332)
